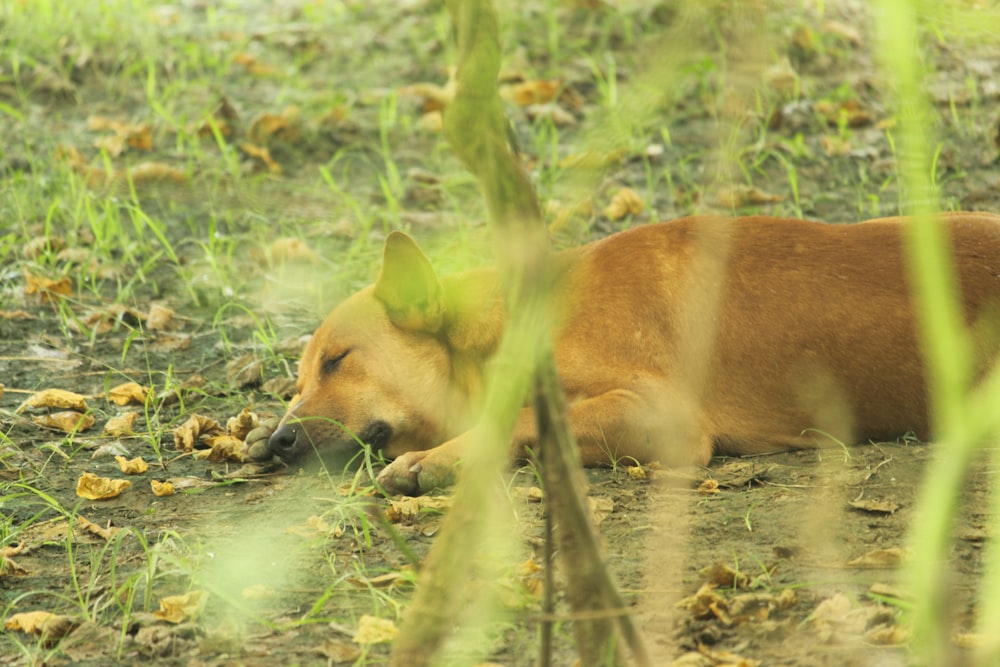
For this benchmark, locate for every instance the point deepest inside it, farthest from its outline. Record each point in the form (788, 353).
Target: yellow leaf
(162, 488)
(284, 250)
(525, 93)
(180, 608)
(408, 510)
(129, 392)
(151, 172)
(134, 467)
(32, 622)
(121, 425)
(261, 155)
(54, 398)
(49, 290)
(92, 487)
(372, 630)
(69, 421)
(625, 202)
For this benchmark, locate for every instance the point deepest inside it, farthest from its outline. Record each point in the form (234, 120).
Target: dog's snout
(283, 440)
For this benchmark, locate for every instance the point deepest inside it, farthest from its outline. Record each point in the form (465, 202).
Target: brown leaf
(260, 155)
(846, 111)
(188, 434)
(92, 487)
(158, 318)
(224, 448)
(879, 559)
(31, 622)
(285, 126)
(241, 425)
(68, 421)
(104, 533)
(245, 371)
(879, 506)
(336, 651)
(54, 398)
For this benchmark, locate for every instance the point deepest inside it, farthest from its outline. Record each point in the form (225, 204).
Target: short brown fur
(674, 341)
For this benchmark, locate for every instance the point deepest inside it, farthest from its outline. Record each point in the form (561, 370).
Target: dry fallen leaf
(723, 576)
(286, 126)
(846, 111)
(372, 630)
(134, 466)
(92, 487)
(409, 510)
(314, 526)
(31, 622)
(743, 195)
(180, 608)
(285, 250)
(188, 434)
(875, 506)
(54, 398)
(158, 318)
(161, 488)
(260, 155)
(129, 392)
(104, 533)
(338, 651)
(48, 290)
(155, 172)
(68, 421)
(708, 487)
(122, 425)
(252, 65)
(526, 93)
(879, 559)
(224, 448)
(241, 425)
(600, 508)
(625, 202)
(706, 604)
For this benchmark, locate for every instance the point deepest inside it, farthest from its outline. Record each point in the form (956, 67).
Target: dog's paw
(416, 473)
(257, 440)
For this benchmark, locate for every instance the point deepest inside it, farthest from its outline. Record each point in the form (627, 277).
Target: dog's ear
(408, 286)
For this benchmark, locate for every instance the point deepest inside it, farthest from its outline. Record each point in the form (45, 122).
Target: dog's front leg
(417, 472)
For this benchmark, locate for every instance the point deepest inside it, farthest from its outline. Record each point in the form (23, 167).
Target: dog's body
(673, 341)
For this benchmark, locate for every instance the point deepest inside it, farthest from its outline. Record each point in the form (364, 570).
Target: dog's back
(757, 334)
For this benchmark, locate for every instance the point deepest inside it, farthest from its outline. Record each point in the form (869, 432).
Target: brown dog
(673, 341)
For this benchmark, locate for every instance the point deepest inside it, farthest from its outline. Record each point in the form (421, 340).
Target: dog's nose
(282, 441)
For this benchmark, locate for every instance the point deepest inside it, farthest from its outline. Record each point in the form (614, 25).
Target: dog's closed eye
(330, 364)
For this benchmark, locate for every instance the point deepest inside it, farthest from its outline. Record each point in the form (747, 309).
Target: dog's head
(378, 370)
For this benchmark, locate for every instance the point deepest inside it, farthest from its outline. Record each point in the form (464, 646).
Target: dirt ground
(801, 550)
